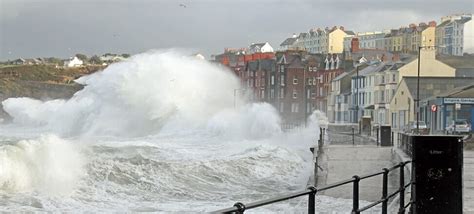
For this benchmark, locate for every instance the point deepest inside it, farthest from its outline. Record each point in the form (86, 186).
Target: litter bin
(437, 169)
(385, 136)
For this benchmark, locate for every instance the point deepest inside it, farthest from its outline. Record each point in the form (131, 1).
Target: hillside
(40, 81)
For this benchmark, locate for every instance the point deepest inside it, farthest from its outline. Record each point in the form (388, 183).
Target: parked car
(411, 128)
(460, 126)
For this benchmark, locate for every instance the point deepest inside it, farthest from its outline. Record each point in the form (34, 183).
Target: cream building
(429, 66)
(336, 40)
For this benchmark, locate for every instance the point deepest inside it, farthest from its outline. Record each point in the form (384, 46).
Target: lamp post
(417, 108)
(357, 93)
(235, 93)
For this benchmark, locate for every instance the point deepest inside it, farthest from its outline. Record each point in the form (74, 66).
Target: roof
(371, 69)
(457, 61)
(443, 23)
(459, 92)
(340, 76)
(463, 20)
(349, 32)
(288, 41)
(430, 86)
(257, 45)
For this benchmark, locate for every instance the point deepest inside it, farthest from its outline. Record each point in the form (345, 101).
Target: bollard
(377, 136)
(353, 142)
(391, 140)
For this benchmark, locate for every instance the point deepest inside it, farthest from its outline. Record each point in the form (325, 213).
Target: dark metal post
(378, 130)
(355, 196)
(357, 94)
(324, 131)
(311, 200)
(353, 142)
(240, 208)
(402, 188)
(418, 93)
(385, 191)
(392, 139)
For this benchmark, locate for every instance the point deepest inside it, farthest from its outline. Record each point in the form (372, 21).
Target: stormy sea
(160, 132)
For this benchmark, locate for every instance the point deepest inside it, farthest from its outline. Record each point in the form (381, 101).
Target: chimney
(412, 25)
(432, 24)
(341, 27)
(354, 45)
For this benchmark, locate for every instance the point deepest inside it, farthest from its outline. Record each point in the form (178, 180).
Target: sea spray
(49, 165)
(135, 97)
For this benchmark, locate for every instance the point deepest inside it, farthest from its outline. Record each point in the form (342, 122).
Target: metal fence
(312, 191)
(405, 144)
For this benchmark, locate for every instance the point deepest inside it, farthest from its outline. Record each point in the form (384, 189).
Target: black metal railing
(405, 144)
(312, 190)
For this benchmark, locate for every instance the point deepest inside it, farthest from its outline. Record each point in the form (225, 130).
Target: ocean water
(156, 133)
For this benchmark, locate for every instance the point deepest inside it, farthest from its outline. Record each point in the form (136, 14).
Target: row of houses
(71, 62)
(362, 85)
(453, 36)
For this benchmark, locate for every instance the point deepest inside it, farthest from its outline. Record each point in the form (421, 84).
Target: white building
(455, 35)
(73, 62)
(260, 48)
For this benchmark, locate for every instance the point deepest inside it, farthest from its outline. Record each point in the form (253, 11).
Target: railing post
(355, 196)
(311, 200)
(401, 210)
(353, 142)
(384, 190)
(240, 208)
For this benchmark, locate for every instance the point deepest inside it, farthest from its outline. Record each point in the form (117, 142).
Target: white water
(155, 133)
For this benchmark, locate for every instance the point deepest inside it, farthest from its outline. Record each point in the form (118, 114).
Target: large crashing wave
(138, 97)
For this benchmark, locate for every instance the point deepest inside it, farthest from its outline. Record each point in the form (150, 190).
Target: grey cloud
(61, 28)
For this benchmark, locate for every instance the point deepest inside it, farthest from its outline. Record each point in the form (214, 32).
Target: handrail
(312, 190)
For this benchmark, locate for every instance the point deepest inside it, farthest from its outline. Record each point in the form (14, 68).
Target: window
(310, 81)
(294, 107)
(394, 77)
(295, 80)
(282, 93)
(273, 79)
(310, 68)
(272, 93)
(282, 79)
(295, 94)
(282, 68)
(282, 105)
(262, 94)
(308, 94)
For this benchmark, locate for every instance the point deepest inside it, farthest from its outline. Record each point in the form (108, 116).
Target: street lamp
(417, 110)
(235, 93)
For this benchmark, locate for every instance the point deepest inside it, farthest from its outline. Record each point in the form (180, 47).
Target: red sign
(434, 108)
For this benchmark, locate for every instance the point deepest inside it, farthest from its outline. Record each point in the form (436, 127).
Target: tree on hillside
(95, 60)
(125, 55)
(54, 61)
(82, 57)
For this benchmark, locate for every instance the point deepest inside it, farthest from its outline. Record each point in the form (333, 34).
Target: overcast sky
(61, 28)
